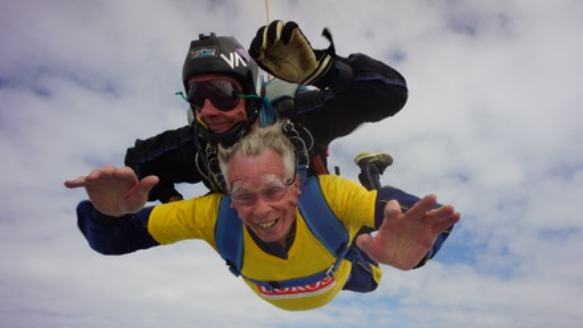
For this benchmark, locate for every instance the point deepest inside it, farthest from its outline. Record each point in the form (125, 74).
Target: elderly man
(282, 255)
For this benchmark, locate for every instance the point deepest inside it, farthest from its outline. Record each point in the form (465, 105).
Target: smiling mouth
(267, 225)
(219, 127)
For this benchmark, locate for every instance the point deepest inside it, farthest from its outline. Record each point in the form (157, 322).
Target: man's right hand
(115, 191)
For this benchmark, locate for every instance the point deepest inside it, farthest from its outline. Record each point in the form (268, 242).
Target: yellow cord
(269, 76)
(267, 11)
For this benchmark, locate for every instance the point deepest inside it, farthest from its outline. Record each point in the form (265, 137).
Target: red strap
(318, 165)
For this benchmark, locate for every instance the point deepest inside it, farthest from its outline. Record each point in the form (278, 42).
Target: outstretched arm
(404, 239)
(115, 191)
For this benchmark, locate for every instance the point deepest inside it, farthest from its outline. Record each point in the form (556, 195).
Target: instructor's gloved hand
(282, 50)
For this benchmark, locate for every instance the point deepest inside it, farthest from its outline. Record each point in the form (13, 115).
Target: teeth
(267, 224)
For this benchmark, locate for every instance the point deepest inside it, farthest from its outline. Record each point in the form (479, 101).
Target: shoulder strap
(229, 236)
(320, 219)
(324, 224)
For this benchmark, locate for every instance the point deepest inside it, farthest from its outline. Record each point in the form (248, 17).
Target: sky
(493, 126)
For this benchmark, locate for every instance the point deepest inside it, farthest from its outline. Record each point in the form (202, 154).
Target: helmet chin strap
(199, 121)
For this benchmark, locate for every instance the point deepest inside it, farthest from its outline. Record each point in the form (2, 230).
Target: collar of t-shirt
(276, 248)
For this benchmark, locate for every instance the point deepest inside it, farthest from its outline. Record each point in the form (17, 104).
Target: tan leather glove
(282, 50)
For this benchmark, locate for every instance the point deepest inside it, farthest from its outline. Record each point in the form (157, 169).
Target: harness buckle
(330, 272)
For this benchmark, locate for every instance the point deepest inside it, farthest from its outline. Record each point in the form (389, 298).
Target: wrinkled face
(263, 195)
(216, 102)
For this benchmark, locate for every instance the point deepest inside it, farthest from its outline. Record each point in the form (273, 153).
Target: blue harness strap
(324, 224)
(229, 236)
(319, 218)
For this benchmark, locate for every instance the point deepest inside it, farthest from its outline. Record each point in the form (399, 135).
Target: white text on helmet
(234, 59)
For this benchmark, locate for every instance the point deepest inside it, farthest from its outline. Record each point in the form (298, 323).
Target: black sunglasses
(222, 93)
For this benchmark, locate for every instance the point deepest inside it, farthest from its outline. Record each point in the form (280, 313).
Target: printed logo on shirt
(316, 288)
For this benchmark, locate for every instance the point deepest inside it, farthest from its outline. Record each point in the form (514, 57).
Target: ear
(297, 184)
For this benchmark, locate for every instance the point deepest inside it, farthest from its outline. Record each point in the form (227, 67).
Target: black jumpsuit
(358, 89)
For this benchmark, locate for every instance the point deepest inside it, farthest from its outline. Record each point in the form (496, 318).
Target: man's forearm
(114, 236)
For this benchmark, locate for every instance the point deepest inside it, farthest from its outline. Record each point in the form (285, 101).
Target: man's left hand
(405, 238)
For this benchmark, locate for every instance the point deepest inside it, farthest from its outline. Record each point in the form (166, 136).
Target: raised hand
(115, 191)
(404, 239)
(282, 50)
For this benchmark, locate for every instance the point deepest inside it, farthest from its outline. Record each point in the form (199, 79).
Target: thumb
(147, 183)
(393, 208)
(364, 241)
(75, 183)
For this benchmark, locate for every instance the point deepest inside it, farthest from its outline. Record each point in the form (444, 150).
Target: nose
(208, 109)
(261, 208)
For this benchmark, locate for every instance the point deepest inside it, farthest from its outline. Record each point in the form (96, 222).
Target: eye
(274, 193)
(244, 198)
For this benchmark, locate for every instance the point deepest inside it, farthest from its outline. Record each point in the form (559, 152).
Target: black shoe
(380, 160)
(372, 166)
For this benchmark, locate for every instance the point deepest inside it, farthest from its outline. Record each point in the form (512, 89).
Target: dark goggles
(222, 93)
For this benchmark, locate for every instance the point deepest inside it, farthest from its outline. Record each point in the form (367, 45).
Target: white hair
(255, 143)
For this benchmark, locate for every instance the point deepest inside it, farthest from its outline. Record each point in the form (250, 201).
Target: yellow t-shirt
(351, 203)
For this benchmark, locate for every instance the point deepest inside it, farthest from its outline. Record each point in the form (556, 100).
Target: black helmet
(212, 54)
